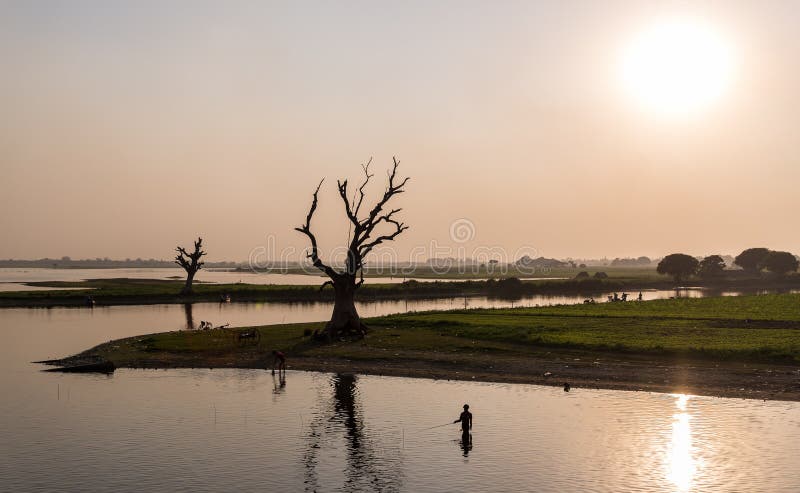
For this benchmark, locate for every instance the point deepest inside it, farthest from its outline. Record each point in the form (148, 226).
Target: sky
(130, 127)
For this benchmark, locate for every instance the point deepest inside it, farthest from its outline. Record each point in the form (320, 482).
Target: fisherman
(466, 420)
(279, 359)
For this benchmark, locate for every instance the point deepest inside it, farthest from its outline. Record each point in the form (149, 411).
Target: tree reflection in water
(187, 309)
(370, 466)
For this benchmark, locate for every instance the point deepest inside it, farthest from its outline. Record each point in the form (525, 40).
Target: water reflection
(465, 443)
(187, 310)
(364, 467)
(681, 464)
(279, 382)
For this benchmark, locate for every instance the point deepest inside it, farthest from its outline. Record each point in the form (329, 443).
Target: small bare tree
(191, 263)
(345, 321)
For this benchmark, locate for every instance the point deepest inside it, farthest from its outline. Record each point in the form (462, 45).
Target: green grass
(766, 307)
(748, 328)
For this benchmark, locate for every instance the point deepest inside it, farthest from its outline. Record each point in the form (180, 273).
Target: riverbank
(109, 292)
(745, 346)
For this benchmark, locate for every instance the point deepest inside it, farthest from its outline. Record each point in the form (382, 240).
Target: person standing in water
(279, 360)
(466, 420)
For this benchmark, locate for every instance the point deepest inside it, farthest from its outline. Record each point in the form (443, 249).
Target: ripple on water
(223, 430)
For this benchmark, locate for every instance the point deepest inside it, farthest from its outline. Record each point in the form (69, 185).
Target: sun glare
(680, 462)
(677, 67)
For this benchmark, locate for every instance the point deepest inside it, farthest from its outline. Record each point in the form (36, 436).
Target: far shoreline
(126, 291)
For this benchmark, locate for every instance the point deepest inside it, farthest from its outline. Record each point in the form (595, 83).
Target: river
(245, 430)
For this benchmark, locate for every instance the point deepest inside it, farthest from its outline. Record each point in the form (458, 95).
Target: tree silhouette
(751, 259)
(678, 265)
(191, 263)
(345, 320)
(711, 267)
(780, 263)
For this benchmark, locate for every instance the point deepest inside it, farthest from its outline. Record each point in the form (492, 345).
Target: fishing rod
(437, 426)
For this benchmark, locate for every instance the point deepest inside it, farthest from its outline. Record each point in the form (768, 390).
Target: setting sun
(299, 246)
(677, 67)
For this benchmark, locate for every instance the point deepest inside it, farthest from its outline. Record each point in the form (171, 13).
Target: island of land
(738, 346)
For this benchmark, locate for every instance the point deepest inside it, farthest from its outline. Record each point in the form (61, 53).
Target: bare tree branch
(392, 189)
(399, 228)
(190, 262)
(362, 241)
(367, 176)
(361, 271)
(306, 230)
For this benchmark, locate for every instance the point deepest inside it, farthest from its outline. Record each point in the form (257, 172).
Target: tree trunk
(187, 288)
(344, 321)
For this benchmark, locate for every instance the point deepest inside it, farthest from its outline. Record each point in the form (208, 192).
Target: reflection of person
(279, 359)
(466, 442)
(279, 384)
(466, 419)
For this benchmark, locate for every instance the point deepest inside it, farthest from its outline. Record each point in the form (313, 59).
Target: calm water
(56, 332)
(227, 430)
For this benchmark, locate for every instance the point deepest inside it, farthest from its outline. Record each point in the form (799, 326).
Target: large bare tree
(368, 231)
(191, 263)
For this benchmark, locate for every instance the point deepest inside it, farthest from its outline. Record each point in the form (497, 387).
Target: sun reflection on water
(681, 464)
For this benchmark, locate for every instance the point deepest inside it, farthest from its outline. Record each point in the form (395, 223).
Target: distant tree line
(753, 260)
(631, 262)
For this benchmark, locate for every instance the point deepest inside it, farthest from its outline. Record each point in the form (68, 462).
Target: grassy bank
(745, 345)
(151, 291)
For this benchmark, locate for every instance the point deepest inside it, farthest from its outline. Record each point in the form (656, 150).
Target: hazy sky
(126, 128)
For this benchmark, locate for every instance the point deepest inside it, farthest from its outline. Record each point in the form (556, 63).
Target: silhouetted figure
(279, 360)
(624, 296)
(616, 297)
(566, 387)
(466, 419)
(89, 300)
(640, 296)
